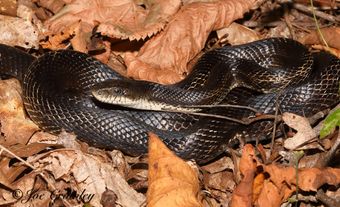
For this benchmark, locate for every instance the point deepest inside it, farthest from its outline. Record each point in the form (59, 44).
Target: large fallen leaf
(125, 19)
(172, 182)
(164, 58)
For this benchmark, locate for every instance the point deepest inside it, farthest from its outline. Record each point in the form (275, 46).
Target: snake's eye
(118, 91)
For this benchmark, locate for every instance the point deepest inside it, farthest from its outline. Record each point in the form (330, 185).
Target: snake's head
(125, 92)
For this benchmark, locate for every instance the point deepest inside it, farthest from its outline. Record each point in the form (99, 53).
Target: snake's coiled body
(57, 94)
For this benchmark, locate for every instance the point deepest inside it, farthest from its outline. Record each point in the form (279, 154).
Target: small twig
(317, 25)
(328, 201)
(252, 24)
(275, 117)
(320, 14)
(17, 157)
(326, 158)
(277, 106)
(321, 114)
(210, 115)
(288, 22)
(224, 106)
(244, 121)
(303, 27)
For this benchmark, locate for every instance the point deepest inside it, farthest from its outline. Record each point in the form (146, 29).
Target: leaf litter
(157, 41)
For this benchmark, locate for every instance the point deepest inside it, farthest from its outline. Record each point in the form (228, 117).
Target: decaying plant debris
(159, 41)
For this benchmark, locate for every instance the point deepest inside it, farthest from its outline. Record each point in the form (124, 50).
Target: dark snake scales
(57, 94)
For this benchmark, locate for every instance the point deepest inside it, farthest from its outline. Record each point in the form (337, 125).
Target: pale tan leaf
(304, 130)
(16, 31)
(90, 173)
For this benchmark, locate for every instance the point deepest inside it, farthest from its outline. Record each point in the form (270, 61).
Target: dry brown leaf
(126, 19)
(20, 197)
(9, 173)
(80, 41)
(224, 181)
(9, 7)
(164, 58)
(280, 183)
(15, 126)
(52, 5)
(219, 165)
(304, 130)
(333, 51)
(258, 186)
(237, 34)
(310, 179)
(331, 35)
(142, 23)
(270, 195)
(242, 195)
(16, 31)
(21, 150)
(172, 182)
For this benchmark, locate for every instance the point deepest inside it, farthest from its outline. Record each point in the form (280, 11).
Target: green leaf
(331, 122)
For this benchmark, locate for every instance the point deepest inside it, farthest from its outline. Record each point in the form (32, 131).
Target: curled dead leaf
(172, 182)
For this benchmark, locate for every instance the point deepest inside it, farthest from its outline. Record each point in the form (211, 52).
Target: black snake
(58, 86)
